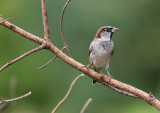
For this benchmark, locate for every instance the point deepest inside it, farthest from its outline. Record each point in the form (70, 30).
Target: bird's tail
(94, 81)
(98, 70)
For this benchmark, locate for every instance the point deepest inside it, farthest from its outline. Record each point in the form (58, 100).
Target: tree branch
(45, 21)
(61, 23)
(22, 56)
(86, 105)
(65, 97)
(14, 99)
(22, 32)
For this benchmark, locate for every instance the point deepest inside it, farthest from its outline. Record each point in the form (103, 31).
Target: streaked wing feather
(90, 50)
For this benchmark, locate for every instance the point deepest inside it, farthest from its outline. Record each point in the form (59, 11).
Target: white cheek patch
(106, 36)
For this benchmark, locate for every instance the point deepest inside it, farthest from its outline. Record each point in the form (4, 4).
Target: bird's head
(105, 32)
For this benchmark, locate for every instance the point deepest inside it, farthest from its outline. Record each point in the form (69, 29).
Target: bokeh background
(136, 60)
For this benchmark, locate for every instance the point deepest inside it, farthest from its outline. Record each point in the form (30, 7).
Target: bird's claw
(109, 77)
(88, 67)
(151, 96)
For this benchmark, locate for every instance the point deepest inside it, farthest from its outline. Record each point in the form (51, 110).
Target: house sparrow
(101, 49)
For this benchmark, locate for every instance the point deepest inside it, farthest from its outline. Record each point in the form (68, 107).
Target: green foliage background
(136, 60)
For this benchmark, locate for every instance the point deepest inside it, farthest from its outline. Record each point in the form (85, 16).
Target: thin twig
(86, 105)
(65, 97)
(45, 21)
(121, 91)
(20, 57)
(6, 19)
(49, 61)
(14, 99)
(61, 25)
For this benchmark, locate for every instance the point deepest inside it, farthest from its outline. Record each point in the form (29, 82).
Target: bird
(101, 49)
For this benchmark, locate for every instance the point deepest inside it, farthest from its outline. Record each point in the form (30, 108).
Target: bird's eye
(109, 29)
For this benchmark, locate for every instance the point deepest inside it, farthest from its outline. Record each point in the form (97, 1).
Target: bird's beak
(114, 29)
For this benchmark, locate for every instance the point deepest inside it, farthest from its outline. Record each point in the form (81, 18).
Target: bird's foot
(151, 96)
(88, 67)
(109, 77)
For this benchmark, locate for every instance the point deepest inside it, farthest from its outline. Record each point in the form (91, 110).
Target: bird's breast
(101, 53)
